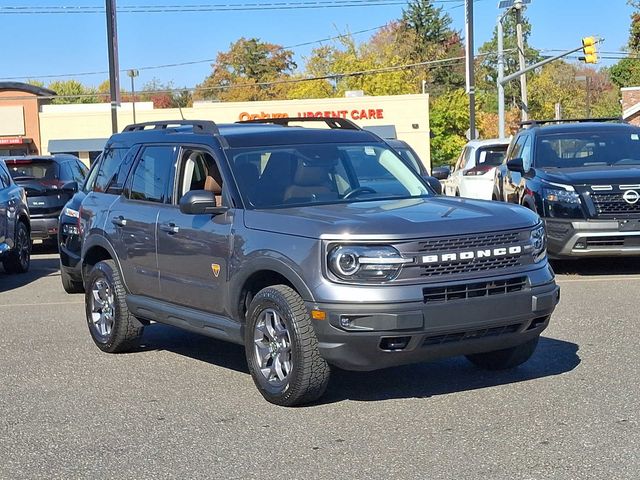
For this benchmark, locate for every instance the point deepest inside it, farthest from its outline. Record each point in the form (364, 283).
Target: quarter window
(152, 173)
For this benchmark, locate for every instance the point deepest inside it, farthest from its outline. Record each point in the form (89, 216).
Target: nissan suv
(583, 179)
(282, 239)
(49, 182)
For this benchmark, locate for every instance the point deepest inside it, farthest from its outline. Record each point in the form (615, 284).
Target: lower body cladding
(452, 319)
(44, 228)
(592, 238)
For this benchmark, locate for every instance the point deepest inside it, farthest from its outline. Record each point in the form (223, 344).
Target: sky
(39, 45)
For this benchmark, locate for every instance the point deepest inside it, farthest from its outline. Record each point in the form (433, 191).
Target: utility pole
(471, 83)
(523, 64)
(114, 74)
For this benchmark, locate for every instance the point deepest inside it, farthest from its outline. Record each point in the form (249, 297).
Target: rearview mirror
(441, 173)
(516, 165)
(200, 202)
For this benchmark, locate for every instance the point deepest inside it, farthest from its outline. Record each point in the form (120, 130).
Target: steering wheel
(357, 191)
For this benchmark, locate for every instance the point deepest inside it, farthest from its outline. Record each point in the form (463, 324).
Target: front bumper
(391, 334)
(44, 228)
(592, 238)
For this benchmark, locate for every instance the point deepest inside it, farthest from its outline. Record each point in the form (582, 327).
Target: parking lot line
(40, 304)
(605, 278)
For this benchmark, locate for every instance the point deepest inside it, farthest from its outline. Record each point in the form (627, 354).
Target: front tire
(19, 259)
(113, 328)
(507, 358)
(282, 349)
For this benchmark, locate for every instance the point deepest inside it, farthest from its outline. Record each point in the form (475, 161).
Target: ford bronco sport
(309, 246)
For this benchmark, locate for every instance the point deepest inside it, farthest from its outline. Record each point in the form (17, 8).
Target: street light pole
(501, 103)
(471, 83)
(521, 58)
(133, 74)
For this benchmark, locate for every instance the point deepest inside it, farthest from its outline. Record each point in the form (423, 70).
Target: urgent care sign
(353, 114)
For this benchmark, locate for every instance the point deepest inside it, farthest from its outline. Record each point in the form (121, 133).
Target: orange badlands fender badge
(215, 268)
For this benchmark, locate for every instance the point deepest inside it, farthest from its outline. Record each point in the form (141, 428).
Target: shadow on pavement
(598, 266)
(40, 267)
(553, 357)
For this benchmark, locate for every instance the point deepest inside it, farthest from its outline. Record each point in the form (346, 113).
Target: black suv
(15, 245)
(49, 181)
(583, 179)
(309, 246)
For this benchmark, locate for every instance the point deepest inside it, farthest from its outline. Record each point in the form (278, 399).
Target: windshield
(297, 175)
(585, 149)
(33, 170)
(491, 156)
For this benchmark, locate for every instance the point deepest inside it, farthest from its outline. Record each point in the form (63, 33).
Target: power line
(445, 62)
(192, 62)
(211, 7)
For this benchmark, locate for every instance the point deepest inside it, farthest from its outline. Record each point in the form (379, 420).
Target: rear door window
(151, 175)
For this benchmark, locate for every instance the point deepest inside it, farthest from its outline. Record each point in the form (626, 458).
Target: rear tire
(70, 285)
(507, 358)
(19, 259)
(113, 328)
(282, 348)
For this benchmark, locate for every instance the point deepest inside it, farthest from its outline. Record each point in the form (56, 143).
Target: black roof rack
(332, 122)
(533, 123)
(199, 126)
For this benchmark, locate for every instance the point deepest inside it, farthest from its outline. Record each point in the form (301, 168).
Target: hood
(393, 219)
(595, 175)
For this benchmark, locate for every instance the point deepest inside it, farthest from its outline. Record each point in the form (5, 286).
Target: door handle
(119, 221)
(170, 228)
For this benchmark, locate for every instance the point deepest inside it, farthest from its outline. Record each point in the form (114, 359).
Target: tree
(238, 73)
(626, 73)
(449, 122)
(72, 91)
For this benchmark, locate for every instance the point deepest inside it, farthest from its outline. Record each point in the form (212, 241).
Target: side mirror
(71, 187)
(441, 173)
(516, 165)
(200, 202)
(433, 183)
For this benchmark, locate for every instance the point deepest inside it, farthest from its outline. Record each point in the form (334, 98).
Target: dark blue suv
(15, 244)
(583, 179)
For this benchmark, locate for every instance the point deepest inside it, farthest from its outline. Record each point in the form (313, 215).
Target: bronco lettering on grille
(472, 254)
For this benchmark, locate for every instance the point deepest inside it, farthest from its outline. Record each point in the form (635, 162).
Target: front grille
(614, 205)
(475, 265)
(471, 335)
(473, 290)
(471, 241)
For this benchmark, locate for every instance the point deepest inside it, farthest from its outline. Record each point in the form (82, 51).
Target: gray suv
(309, 246)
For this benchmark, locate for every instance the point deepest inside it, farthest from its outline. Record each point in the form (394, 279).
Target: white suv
(473, 172)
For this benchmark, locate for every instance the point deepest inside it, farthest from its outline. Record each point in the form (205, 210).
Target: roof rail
(332, 122)
(533, 123)
(199, 126)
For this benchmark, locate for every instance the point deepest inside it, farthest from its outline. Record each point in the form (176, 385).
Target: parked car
(282, 240)
(49, 182)
(15, 244)
(410, 156)
(474, 170)
(583, 179)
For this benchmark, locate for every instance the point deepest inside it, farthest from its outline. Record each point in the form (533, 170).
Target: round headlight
(344, 261)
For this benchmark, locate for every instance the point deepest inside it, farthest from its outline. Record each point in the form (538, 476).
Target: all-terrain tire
(105, 284)
(19, 259)
(309, 373)
(507, 358)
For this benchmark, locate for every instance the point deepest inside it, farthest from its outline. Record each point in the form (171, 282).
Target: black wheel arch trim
(97, 240)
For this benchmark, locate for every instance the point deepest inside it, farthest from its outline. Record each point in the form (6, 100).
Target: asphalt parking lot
(184, 406)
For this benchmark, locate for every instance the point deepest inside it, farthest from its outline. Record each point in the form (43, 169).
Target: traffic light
(589, 50)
